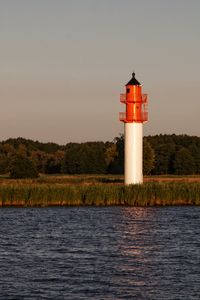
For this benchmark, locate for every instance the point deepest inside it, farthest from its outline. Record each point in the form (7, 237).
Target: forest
(163, 154)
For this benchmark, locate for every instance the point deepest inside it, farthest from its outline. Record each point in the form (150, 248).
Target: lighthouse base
(133, 148)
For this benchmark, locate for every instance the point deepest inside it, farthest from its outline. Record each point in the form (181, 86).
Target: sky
(64, 63)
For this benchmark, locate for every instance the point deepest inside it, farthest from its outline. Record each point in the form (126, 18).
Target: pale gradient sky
(63, 64)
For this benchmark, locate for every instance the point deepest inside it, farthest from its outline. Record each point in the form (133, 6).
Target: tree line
(163, 154)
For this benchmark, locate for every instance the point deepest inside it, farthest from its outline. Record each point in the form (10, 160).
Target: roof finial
(133, 80)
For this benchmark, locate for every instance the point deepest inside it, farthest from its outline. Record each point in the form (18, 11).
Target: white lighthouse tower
(134, 117)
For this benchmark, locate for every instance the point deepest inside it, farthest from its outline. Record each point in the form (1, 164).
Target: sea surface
(100, 253)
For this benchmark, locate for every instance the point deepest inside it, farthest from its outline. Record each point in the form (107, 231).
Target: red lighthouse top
(135, 101)
(133, 80)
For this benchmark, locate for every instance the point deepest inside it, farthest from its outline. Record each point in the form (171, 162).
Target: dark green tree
(117, 164)
(85, 158)
(148, 157)
(194, 149)
(3, 164)
(6, 152)
(164, 154)
(184, 162)
(22, 167)
(54, 163)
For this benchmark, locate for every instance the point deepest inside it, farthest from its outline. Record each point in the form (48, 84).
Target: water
(100, 253)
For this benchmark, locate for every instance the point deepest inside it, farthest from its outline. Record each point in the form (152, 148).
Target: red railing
(143, 117)
(123, 98)
(144, 98)
(122, 116)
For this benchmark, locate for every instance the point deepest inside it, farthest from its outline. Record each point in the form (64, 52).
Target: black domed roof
(133, 81)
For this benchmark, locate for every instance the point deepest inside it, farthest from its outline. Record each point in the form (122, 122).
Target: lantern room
(135, 101)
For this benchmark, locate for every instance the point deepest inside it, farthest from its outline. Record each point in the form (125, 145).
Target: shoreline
(88, 191)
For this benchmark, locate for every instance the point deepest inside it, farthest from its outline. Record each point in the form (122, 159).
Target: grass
(95, 190)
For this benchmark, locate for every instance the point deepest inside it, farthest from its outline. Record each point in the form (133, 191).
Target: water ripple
(100, 253)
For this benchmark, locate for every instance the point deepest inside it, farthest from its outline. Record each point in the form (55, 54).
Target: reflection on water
(136, 225)
(100, 253)
(136, 228)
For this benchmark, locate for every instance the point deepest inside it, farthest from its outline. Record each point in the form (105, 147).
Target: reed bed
(64, 179)
(147, 194)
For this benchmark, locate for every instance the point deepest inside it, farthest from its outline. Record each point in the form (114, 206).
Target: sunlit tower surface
(134, 117)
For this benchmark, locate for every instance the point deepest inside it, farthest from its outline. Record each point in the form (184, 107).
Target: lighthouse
(134, 117)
